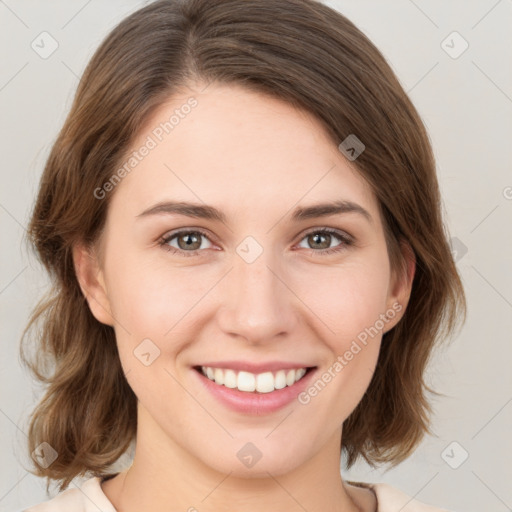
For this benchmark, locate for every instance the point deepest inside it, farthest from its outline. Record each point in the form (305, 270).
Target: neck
(164, 476)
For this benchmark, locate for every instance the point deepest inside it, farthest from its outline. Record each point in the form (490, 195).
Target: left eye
(190, 243)
(324, 237)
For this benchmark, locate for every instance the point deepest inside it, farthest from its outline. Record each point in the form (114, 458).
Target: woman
(211, 146)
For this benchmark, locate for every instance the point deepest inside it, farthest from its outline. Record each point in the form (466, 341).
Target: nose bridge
(257, 304)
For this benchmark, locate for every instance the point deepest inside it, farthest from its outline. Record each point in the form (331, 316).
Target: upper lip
(270, 366)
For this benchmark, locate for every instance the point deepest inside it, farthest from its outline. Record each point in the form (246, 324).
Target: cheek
(147, 297)
(348, 298)
(154, 301)
(350, 302)
(152, 309)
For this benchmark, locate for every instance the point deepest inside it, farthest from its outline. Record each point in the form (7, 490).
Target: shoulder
(89, 497)
(390, 499)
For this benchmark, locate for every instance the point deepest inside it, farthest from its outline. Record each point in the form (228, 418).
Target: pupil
(190, 239)
(317, 239)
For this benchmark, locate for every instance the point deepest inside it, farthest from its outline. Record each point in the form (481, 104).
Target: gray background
(466, 103)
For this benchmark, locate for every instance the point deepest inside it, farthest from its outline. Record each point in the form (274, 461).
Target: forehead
(240, 150)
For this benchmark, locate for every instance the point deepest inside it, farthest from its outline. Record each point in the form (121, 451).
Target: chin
(247, 459)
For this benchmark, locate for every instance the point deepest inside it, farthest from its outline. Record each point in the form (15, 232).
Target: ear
(401, 285)
(92, 283)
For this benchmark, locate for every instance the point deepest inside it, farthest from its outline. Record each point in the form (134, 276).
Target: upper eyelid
(342, 234)
(171, 234)
(335, 231)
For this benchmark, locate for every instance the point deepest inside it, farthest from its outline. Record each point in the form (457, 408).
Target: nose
(257, 302)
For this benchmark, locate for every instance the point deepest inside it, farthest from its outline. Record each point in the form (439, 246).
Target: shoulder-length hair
(299, 51)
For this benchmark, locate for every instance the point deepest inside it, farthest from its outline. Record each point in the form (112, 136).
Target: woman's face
(256, 288)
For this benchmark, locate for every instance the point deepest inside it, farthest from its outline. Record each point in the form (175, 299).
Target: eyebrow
(202, 211)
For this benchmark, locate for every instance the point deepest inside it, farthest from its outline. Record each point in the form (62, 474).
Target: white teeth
(218, 375)
(280, 380)
(299, 374)
(245, 381)
(230, 379)
(265, 382)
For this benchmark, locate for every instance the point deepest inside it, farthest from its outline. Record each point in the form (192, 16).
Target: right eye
(185, 239)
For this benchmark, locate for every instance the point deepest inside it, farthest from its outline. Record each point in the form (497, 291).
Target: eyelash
(346, 240)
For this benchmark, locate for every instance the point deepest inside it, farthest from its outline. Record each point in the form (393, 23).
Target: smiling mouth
(248, 382)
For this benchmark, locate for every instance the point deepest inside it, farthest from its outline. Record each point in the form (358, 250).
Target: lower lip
(255, 403)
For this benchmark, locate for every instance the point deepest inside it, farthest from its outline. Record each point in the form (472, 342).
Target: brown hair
(303, 53)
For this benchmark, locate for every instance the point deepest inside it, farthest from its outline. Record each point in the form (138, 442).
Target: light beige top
(90, 498)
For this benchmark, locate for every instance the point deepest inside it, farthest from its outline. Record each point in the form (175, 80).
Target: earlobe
(402, 284)
(92, 284)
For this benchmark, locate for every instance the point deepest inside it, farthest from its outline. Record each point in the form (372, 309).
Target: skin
(256, 159)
